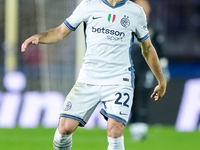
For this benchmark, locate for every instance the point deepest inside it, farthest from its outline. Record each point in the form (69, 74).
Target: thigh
(117, 102)
(81, 102)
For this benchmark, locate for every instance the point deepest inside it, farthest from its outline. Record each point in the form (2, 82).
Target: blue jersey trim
(81, 121)
(144, 38)
(131, 69)
(69, 25)
(85, 26)
(119, 4)
(107, 115)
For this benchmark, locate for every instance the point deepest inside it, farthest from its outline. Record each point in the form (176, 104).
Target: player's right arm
(50, 36)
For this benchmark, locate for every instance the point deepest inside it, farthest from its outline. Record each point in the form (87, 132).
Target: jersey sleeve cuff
(144, 38)
(69, 25)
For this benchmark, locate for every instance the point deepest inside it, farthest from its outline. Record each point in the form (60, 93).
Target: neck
(113, 2)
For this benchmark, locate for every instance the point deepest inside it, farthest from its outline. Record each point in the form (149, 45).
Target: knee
(115, 129)
(67, 126)
(65, 130)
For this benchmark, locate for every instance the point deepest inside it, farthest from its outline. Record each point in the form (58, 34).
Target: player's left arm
(150, 55)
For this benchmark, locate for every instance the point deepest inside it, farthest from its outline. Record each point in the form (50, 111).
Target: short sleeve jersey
(109, 34)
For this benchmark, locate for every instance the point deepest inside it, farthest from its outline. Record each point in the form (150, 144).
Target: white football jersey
(109, 34)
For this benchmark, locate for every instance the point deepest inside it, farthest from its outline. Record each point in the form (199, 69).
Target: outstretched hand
(159, 92)
(32, 40)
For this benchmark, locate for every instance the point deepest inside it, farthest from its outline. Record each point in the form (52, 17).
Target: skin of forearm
(152, 60)
(50, 36)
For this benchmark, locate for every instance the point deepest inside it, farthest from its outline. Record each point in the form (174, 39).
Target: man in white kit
(107, 74)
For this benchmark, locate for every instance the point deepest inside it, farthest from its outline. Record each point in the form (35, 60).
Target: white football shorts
(83, 99)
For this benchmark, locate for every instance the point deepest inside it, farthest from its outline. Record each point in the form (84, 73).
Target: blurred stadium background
(51, 71)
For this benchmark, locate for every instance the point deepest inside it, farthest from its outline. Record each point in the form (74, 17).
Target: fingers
(158, 93)
(30, 40)
(155, 96)
(23, 47)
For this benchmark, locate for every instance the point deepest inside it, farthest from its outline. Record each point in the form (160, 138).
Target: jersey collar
(119, 4)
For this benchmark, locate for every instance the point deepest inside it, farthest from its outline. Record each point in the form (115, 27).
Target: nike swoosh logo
(96, 17)
(122, 113)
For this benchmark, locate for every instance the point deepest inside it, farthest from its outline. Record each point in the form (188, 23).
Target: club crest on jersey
(68, 106)
(125, 22)
(111, 18)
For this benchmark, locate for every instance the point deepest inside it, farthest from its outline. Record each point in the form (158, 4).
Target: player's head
(145, 5)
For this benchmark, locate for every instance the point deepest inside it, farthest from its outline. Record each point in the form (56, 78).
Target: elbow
(59, 39)
(58, 34)
(145, 51)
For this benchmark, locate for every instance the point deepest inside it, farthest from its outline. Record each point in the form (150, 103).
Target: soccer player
(107, 74)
